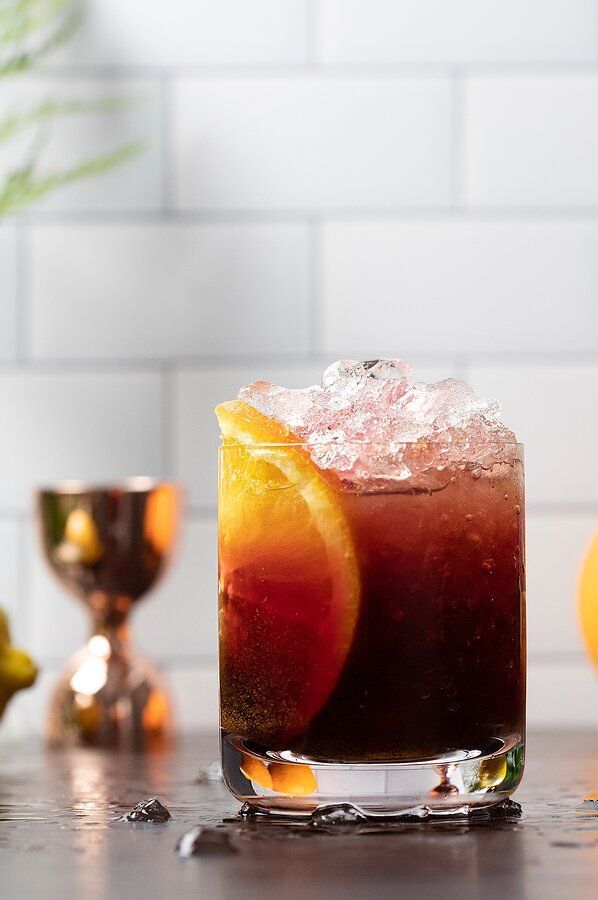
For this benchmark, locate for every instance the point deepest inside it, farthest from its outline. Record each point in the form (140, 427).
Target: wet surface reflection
(60, 812)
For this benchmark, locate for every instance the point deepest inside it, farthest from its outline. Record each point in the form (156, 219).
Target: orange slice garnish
(293, 779)
(289, 580)
(256, 771)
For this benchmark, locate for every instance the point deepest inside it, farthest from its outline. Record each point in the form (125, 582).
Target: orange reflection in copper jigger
(109, 545)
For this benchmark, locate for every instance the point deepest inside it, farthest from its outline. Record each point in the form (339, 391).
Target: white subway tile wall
(307, 142)
(58, 621)
(182, 290)
(554, 544)
(462, 31)
(531, 140)
(8, 291)
(459, 283)
(10, 563)
(321, 178)
(179, 622)
(550, 407)
(176, 33)
(56, 425)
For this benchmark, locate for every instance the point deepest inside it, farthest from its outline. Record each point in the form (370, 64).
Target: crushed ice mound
(376, 427)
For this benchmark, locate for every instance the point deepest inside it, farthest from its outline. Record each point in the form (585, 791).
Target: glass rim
(397, 445)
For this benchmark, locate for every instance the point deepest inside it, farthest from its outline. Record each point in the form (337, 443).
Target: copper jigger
(109, 544)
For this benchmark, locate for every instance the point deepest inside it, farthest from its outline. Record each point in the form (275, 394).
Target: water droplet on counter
(203, 840)
(507, 809)
(150, 810)
(210, 774)
(337, 814)
(247, 812)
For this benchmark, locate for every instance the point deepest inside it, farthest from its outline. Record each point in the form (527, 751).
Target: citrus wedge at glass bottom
(289, 580)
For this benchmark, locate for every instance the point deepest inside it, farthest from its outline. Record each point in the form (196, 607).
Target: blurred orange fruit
(161, 517)
(588, 599)
(155, 712)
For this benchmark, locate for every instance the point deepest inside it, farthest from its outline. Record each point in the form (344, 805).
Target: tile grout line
(14, 515)
(206, 362)
(208, 660)
(462, 368)
(535, 508)
(167, 422)
(560, 508)
(148, 365)
(26, 517)
(457, 139)
(557, 658)
(199, 513)
(314, 289)
(169, 662)
(398, 69)
(23, 580)
(165, 143)
(311, 33)
(271, 215)
(22, 299)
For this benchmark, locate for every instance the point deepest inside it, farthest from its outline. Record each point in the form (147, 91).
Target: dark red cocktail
(372, 630)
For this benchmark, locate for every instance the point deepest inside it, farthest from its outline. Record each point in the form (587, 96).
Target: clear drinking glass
(372, 644)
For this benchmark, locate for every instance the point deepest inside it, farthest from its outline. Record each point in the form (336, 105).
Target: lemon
(17, 671)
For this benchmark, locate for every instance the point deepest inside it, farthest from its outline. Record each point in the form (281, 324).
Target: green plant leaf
(23, 186)
(47, 110)
(20, 18)
(29, 30)
(25, 59)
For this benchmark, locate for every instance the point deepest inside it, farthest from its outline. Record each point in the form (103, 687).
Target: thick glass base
(457, 782)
